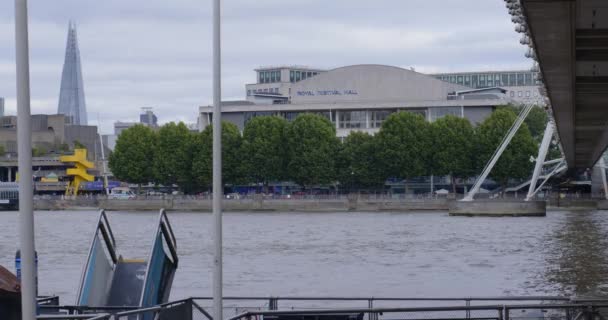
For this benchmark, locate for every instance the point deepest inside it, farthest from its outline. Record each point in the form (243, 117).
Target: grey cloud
(157, 52)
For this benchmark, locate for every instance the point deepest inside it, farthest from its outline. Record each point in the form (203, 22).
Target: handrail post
(370, 305)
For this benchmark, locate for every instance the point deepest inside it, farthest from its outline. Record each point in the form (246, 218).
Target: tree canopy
(515, 160)
(358, 166)
(202, 165)
(133, 155)
(453, 147)
(173, 156)
(404, 143)
(264, 149)
(312, 145)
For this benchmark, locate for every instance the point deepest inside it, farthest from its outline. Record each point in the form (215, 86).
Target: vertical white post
(505, 142)
(218, 192)
(540, 159)
(24, 149)
(105, 164)
(603, 168)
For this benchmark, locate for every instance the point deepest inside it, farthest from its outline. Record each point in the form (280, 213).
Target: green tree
(264, 149)
(536, 120)
(515, 160)
(132, 158)
(39, 151)
(173, 156)
(2, 151)
(357, 165)
(202, 165)
(79, 145)
(453, 148)
(312, 146)
(404, 142)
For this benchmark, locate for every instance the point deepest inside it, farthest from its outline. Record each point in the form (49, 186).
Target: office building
(148, 118)
(356, 98)
(521, 85)
(71, 94)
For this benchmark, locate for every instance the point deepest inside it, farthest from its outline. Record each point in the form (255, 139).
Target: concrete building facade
(50, 133)
(1, 107)
(360, 98)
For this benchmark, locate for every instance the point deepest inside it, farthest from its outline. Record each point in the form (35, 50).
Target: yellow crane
(79, 173)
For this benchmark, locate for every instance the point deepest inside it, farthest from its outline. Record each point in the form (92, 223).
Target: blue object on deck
(110, 280)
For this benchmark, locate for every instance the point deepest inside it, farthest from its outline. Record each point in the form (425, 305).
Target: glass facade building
(479, 80)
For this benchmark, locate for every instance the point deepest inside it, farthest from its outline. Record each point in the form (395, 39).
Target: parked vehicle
(121, 193)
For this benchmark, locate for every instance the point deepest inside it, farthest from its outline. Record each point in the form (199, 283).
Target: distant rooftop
(478, 72)
(264, 68)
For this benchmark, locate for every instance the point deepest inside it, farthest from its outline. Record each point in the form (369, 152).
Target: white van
(121, 193)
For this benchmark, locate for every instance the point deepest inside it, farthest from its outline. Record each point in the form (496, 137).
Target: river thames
(342, 254)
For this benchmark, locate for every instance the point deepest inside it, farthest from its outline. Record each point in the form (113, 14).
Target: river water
(342, 254)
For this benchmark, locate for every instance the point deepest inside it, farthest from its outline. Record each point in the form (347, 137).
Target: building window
(482, 80)
(519, 94)
(292, 76)
(273, 77)
(298, 76)
(437, 113)
(467, 80)
(459, 81)
(303, 75)
(309, 74)
(474, 81)
(248, 92)
(528, 79)
(278, 75)
(528, 94)
(453, 79)
(512, 94)
(505, 80)
(520, 79)
(261, 74)
(490, 81)
(377, 117)
(352, 119)
(512, 80)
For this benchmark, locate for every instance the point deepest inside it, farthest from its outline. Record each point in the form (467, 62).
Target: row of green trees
(307, 151)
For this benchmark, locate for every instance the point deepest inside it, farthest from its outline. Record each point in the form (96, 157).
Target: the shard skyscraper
(71, 94)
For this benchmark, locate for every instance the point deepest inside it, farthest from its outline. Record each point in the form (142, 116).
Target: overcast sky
(157, 53)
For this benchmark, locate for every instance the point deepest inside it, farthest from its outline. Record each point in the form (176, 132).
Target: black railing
(333, 308)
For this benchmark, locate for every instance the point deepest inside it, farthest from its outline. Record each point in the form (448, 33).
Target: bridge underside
(571, 42)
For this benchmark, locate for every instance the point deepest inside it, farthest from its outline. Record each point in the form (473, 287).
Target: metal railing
(349, 308)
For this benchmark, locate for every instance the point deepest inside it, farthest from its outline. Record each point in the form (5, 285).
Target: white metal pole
(540, 159)
(505, 142)
(24, 149)
(105, 165)
(604, 182)
(218, 192)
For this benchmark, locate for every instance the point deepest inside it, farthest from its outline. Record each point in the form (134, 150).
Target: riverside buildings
(356, 98)
(522, 85)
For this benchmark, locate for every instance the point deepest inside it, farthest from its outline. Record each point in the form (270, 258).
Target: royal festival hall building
(356, 98)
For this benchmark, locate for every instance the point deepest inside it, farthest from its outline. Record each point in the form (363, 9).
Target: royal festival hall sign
(312, 93)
